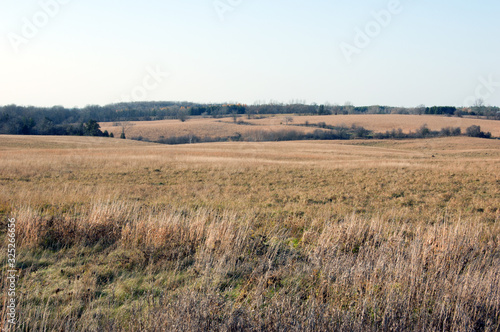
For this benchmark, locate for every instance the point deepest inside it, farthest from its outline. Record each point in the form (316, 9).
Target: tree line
(58, 120)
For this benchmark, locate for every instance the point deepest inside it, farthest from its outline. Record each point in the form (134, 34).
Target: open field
(201, 127)
(311, 235)
(210, 127)
(383, 122)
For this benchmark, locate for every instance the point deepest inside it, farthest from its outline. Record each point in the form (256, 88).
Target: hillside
(226, 127)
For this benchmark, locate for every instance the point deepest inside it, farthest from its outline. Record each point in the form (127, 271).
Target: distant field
(209, 127)
(383, 122)
(201, 127)
(360, 235)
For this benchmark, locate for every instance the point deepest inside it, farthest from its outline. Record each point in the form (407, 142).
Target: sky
(389, 52)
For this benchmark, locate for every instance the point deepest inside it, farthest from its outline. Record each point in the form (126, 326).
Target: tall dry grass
(296, 236)
(225, 272)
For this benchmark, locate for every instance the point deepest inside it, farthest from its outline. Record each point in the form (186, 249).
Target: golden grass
(352, 235)
(381, 123)
(378, 123)
(201, 127)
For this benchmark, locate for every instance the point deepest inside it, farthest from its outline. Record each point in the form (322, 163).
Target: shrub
(475, 131)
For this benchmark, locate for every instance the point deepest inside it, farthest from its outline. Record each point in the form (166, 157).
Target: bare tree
(125, 127)
(235, 116)
(479, 102)
(336, 109)
(183, 114)
(373, 110)
(348, 107)
(288, 119)
(420, 109)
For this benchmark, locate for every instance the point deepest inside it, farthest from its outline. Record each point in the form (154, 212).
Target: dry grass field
(225, 127)
(201, 127)
(383, 122)
(117, 235)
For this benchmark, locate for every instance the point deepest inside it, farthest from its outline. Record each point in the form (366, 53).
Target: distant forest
(57, 120)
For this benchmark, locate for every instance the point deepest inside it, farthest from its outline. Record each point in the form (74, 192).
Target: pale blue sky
(98, 52)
